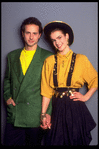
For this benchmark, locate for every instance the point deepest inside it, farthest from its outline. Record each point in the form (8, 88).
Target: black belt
(61, 92)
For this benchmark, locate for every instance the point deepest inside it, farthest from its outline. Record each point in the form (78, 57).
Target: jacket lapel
(17, 66)
(33, 71)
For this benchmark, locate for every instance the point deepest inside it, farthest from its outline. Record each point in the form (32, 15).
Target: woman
(63, 75)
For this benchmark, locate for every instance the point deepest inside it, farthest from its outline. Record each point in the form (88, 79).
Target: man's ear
(22, 34)
(39, 35)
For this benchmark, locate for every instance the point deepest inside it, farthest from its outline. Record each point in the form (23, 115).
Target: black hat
(48, 28)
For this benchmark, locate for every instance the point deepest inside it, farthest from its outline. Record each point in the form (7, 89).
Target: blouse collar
(70, 52)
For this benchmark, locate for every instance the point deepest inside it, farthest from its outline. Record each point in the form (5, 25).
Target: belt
(61, 92)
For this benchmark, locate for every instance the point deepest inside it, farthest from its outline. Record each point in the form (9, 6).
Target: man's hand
(10, 101)
(46, 122)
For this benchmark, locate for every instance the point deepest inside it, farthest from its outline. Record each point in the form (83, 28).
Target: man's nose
(31, 36)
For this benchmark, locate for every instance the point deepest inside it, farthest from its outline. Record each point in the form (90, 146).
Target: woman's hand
(46, 122)
(77, 96)
(45, 118)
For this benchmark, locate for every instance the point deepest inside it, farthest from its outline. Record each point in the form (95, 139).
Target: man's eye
(27, 32)
(34, 33)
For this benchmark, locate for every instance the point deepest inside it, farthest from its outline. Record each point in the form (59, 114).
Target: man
(22, 88)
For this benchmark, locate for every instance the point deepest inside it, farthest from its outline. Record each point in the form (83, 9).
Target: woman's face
(60, 41)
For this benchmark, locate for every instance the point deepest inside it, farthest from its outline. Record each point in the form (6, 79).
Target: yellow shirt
(83, 72)
(25, 59)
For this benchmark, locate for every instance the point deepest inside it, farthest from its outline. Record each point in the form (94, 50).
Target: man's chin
(31, 45)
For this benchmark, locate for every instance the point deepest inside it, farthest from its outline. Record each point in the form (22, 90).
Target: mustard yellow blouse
(83, 72)
(25, 59)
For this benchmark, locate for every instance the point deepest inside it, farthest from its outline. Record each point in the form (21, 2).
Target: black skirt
(71, 123)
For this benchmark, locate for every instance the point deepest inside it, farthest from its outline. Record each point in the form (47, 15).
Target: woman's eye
(59, 37)
(53, 40)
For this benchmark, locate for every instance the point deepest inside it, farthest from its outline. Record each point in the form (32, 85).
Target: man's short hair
(31, 20)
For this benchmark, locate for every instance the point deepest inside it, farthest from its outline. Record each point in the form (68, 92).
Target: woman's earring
(68, 42)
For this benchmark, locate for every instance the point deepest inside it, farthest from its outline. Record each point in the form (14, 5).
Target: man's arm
(7, 82)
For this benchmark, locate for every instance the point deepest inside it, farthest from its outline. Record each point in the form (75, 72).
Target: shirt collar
(28, 52)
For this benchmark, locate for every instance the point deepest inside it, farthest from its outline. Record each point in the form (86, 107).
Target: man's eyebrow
(30, 32)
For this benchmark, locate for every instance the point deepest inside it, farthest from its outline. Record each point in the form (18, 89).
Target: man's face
(31, 35)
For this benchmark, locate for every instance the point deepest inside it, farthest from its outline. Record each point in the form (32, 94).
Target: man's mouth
(31, 41)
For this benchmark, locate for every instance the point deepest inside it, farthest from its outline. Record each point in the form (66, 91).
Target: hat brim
(61, 25)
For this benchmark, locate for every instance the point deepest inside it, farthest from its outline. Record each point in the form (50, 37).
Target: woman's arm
(44, 117)
(83, 98)
(45, 103)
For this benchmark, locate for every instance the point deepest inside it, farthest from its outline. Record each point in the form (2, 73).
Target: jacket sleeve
(7, 82)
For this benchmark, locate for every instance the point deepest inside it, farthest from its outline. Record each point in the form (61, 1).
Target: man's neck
(30, 48)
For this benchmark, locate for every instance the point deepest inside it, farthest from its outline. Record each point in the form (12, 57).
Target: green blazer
(25, 90)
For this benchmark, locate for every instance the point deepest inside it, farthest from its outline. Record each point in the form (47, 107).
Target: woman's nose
(57, 42)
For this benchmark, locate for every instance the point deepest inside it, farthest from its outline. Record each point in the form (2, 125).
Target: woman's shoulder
(81, 61)
(81, 57)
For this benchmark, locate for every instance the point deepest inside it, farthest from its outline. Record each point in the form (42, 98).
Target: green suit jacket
(24, 90)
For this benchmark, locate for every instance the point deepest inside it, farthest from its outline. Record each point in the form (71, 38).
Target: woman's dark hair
(58, 29)
(31, 20)
(53, 30)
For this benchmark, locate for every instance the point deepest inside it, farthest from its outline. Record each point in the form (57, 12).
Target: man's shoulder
(14, 52)
(45, 53)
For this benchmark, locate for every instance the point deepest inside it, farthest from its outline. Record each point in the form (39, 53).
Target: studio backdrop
(81, 16)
